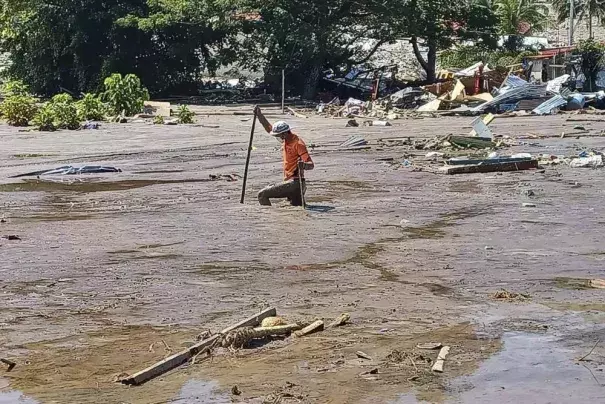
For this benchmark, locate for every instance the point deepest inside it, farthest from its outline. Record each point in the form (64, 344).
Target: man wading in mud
(296, 161)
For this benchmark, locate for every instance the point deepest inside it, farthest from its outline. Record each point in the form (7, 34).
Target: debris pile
(471, 91)
(261, 326)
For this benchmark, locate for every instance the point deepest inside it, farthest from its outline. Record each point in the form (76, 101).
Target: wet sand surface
(116, 271)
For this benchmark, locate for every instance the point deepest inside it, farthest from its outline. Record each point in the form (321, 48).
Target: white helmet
(279, 128)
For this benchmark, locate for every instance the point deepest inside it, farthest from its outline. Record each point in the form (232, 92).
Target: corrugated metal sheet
(526, 92)
(515, 81)
(547, 106)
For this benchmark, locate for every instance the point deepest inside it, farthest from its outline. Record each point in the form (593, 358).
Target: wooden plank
(490, 168)
(158, 108)
(316, 326)
(497, 160)
(438, 366)
(178, 359)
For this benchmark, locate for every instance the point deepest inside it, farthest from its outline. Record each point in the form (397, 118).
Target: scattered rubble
(506, 295)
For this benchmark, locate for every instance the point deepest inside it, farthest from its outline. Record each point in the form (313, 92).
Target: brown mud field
(113, 272)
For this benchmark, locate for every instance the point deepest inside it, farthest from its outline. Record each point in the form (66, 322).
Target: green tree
(75, 44)
(303, 37)
(437, 25)
(584, 10)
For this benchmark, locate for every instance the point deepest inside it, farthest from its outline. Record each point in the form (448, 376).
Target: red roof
(556, 51)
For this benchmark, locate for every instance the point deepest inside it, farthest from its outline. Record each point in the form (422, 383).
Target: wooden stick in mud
(341, 320)
(316, 326)
(438, 366)
(178, 359)
(9, 363)
(248, 158)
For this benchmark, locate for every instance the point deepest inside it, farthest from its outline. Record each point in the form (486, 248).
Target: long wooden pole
(248, 158)
(283, 91)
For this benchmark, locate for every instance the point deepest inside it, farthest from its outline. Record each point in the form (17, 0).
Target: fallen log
(316, 326)
(178, 359)
(438, 366)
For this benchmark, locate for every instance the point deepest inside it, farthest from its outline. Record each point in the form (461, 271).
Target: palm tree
(518, 17)
(584, 10)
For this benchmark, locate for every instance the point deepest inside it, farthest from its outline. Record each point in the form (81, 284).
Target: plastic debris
(354, 141)
(71, 170)
(587, 162)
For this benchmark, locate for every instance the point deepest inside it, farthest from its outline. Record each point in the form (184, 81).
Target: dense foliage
(91, 108)
(124, 95)
(73, 44)
(185, 115)
(18, 110)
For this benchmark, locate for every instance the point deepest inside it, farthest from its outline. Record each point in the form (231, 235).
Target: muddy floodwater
(109, 273)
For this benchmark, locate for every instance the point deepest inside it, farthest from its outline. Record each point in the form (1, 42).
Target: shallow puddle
(198, 391)
(531, 368)
(88, 186)
(12, 396)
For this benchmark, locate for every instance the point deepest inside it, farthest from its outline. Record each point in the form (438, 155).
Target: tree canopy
(74, 44)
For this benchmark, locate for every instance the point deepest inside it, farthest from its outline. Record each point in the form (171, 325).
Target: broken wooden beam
(363, 355)
(486, 167)
(9, 363)
(178, 359)
(278, 329)
(341, 320)
(438, 366)
(296, 114)
(316, 326)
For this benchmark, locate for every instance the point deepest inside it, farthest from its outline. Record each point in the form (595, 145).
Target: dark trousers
(288, 189)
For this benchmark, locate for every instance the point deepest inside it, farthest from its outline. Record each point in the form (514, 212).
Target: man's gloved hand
(301, 166)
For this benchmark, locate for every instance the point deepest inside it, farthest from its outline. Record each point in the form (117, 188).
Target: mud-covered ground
(114, 272)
